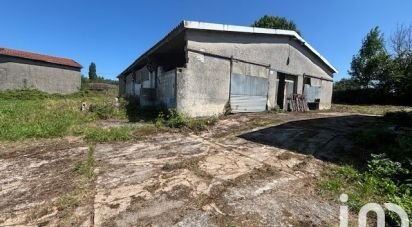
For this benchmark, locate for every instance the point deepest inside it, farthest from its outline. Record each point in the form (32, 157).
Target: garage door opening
(248, 87)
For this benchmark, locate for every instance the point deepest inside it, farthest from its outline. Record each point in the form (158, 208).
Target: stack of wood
(297, 103)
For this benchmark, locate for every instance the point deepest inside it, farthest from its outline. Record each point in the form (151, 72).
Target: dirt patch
(37, 181)
(247, 170)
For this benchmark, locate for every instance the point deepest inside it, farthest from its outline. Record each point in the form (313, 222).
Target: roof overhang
(196, 25)
(255, 30)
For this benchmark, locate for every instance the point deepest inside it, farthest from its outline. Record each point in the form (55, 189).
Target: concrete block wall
(282, 53)
(203, 86)
(273, 90)
(166, 88)
(131, 84)
(16, 74)
(326, 95)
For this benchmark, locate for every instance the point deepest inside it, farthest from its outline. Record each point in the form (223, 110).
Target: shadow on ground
(327, 139)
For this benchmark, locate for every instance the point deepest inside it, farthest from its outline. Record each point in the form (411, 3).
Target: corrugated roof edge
(244, 29)
(40, 57)
(232, 28)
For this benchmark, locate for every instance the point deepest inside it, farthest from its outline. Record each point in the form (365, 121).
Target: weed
(190, 164)
(103, 111)
(386, 176)
(227, 108)
(108, 135)
(276, 109)
(34, 114)
(38, 119)
(86, 167)
(176, 119)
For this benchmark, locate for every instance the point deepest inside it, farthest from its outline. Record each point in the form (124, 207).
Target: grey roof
(196, 25)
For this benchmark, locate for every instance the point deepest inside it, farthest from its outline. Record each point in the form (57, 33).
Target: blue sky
(114, 33)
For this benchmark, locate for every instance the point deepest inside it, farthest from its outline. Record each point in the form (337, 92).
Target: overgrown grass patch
(108, 135)
(366, 187)
(368, 109)
(22, 119)
(176, 119)
(86, 167)
(33, 114)
(385, 176)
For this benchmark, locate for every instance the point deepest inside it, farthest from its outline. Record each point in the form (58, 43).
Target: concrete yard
(247, 170)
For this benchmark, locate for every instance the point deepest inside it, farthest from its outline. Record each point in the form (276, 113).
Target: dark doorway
(287, 86)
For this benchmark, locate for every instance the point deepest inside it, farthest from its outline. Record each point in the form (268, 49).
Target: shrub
(401, 118)
(371, 137)
(386, 176)
(135, 113)
(103, 111)
(176, 119)
(369, 96)
(384, 167)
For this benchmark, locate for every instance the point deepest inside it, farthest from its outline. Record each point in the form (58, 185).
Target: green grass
(368, 109)
(31, 114)
(86, 167)
(108, 135)
(176, 119)
(385, 175)
(23, 119)
(34, 114)
(365, 187)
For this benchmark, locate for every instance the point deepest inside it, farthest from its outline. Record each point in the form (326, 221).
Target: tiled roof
(39, 57)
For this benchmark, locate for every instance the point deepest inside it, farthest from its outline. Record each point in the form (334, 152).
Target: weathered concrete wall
(281, 52)
(129, 90)
(326, 95)
(17, 74)
(131, 84)
(122, 87)
(203, 87)
(166, 89)
(273, 89)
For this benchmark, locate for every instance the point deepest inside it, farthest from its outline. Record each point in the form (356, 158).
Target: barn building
(199, 68)
(21, 70)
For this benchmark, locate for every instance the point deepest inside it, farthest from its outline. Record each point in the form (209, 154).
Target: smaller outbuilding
(25, 70)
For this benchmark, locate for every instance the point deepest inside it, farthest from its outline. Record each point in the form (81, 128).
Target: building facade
(24, 70)
(201, 68)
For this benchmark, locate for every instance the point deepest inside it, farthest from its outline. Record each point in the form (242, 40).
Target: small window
(307, 81)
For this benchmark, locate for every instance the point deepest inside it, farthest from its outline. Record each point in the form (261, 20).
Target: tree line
(378, 74)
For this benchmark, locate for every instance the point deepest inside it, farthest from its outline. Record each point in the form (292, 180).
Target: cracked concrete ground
(248, 170)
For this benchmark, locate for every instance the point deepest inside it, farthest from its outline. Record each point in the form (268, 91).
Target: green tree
(92, 72)
(276, 22)
(345, 84)
(401, 41)
(371, 66)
